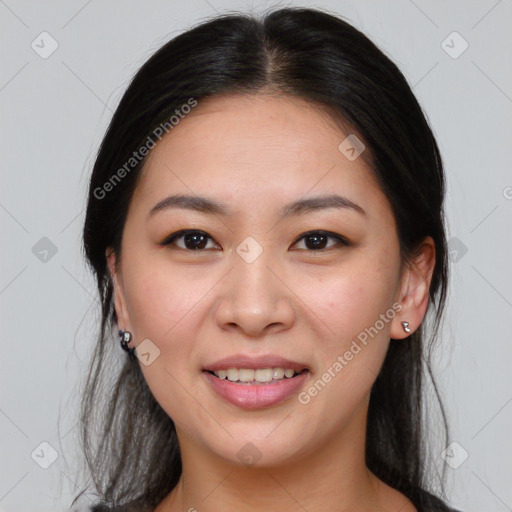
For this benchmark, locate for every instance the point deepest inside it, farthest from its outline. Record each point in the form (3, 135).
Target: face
(261, 284)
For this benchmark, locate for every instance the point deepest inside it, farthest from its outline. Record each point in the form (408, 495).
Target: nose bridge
(252, 278)
(254, 297)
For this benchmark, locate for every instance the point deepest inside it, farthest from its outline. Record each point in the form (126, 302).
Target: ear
(413, 294)
(119, 298)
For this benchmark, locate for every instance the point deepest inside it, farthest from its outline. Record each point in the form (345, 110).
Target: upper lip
(255, 362)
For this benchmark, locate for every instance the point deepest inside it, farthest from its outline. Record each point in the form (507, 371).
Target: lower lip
(256, 396)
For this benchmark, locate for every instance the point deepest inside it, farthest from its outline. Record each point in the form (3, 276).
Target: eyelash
(179, 234)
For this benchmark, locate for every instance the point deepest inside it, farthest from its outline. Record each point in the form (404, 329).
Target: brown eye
(193, 240)
(318, 240)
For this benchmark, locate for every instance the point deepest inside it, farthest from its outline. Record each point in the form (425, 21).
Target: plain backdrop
(64, 67)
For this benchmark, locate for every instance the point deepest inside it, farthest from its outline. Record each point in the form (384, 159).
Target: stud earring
(126, 337)
(406, 327)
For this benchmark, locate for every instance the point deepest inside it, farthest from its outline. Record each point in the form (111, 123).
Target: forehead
(230, 127)
(254, 148)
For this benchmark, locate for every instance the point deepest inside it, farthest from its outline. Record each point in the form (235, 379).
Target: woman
(265, 223)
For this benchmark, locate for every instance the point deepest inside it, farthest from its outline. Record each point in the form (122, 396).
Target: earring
(126, 337)
(406, 327)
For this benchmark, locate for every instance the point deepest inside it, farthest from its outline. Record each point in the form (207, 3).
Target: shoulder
(427, 502)
(413, 499)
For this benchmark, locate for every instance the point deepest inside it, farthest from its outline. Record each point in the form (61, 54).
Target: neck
(333, 476)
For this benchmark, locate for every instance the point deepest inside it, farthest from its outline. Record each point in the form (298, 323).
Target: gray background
(54, 112)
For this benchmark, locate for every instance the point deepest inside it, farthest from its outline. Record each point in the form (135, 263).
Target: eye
(195, 240)
(316, 240)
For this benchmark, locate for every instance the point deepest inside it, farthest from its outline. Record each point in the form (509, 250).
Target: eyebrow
(212, 206)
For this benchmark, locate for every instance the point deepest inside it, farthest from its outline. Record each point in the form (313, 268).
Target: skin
(258, 153)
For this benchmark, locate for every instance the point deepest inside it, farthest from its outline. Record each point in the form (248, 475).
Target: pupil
(319, 241)
(193, 237)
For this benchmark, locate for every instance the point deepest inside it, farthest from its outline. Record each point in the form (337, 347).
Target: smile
(255, 376)
(255, 389)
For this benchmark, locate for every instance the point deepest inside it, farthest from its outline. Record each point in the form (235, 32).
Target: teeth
(245, 375)
(277, 373)
(232, 374)
(263, 375)
(259, 375)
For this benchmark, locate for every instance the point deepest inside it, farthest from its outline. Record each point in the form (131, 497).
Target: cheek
(168, 307)
(159, 299)
(352, 300)
(163, 308)
(356, 306)
(351, 356)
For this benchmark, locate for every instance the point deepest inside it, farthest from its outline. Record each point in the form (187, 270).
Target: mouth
(256, 388)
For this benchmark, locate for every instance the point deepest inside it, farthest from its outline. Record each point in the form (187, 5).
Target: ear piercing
(406, 327)
(126, 337)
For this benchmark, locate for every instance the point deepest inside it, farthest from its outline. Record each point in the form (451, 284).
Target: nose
(255, 299)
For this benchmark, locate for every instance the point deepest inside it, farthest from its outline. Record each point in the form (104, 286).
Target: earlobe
(414, 292)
